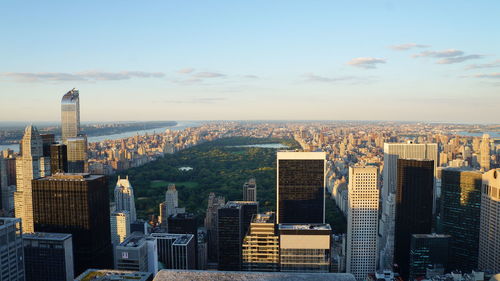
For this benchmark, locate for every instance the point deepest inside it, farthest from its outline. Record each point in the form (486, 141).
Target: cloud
(486, 65)
(458, 59)
(208, 75)
(368, 63)
(488, 75)
(440, 54)
(408, 46)
(80, 76)
(186, 70)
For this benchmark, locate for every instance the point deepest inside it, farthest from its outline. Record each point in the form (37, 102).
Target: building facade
(261, 244)
(11, 249)
(77, 204)
(77, 154)
(58, 158)
(137, 253)
(70, 115)
(124, 197)
(301, 187)
(211, 219)
(362, 221)
(120, 226)
(176, 251)
(48, 256)
(250, 190)
(489, 231)
(428, 251)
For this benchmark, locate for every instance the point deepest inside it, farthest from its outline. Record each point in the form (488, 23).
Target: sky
(400, 60)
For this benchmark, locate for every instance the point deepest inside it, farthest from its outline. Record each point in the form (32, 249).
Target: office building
(250, 190)
(124, 197)
(202, 249)
(485, 159)
(139, 226)
(460, 216)
(29, 165)
(47, 141)
(70, 115)
(393, 152)
(114, 275)
(171, 199)
(362, 221)
(211, 218)
(58, 158)
(305, 247)
(48, 256)
(137, 253)
(233, 223)
(261, 244)
(120, 226)
(301, 187)
(489, 230)
(77, 204)
(11, 250)
(414, 196)
(77, 154)
(176, 251)
(428, 251)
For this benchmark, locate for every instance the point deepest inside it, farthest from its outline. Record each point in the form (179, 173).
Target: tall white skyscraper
(489, 229)
(485, 153)
(30, 165)
(124, 198)
(70, 115)
(120, 227)
(362, 221)
(393, 152)
(250, 190)
(171, 199)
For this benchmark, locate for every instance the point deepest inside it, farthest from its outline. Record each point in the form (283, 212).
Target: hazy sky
(191, 60)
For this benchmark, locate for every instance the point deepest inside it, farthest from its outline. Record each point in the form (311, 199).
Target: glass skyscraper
(70, 115)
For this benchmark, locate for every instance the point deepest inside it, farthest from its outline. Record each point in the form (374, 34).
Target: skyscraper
(58, 158)
(393, 152)
(11, 247)
(460, 213)
(211, 218)
(171, 199)
(30, 165)
(489, 234)
(362, 221)
(261, 244)
(70, 115)
(77, 204)
(415, 182)
(176, 251)
(485, 153)
(428, 250)
(48, 256)
(120, 226)
(77, 154)
(124, 198)
(301, 187)
(137, 253)
(233, 223)
(250, 190)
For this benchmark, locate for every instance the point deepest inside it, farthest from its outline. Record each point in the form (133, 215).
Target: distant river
(180, 126)
(264, 145)
(475, 134)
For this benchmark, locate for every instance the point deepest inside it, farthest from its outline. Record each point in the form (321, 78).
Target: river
(181, 125)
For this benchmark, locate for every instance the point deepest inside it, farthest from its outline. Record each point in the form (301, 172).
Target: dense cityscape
(421, 202)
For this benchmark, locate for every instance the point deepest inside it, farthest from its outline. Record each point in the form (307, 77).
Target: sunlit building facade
(489, 234)
(70, 115)
(261, 244)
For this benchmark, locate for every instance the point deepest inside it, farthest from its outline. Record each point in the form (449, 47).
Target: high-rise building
(48, 256)
(77, 154)
(211, 218)
(124, 197)
(171, 199)
(460, 216)
(58, 158)
(47, 141)
(11, 249)
(3, 183)
(202, 249)
(393, 152)
(305, 247)
(362, 221)
(485, 153)
(176, 251)
(77, 204)
(233, 223)
(250, 190)
(261, 244)
(489, 231)
(137, 253)
(301, 187)
(428, 251)
(120, 226)
(415, 182)
(70, 115)
(30, 165)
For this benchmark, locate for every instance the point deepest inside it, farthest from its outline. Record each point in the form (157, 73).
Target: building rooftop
(136, 239)
(285, 226)
(4, 221)
(47, 236)
(237, 204)
(71, 176)
(431, 235)
(199, 275)
(184, 239)
(71, 96)
(113, 275)
(268, 217)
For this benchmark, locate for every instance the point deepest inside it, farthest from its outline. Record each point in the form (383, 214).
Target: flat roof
(47, 236)
(70, 176)
(300, 155)
(113, 275)
(268, 217)
(287, 226)
(200, 275)
(431, 235)
(237, 204)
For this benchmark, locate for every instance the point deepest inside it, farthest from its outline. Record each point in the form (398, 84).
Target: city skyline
(231, 60)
